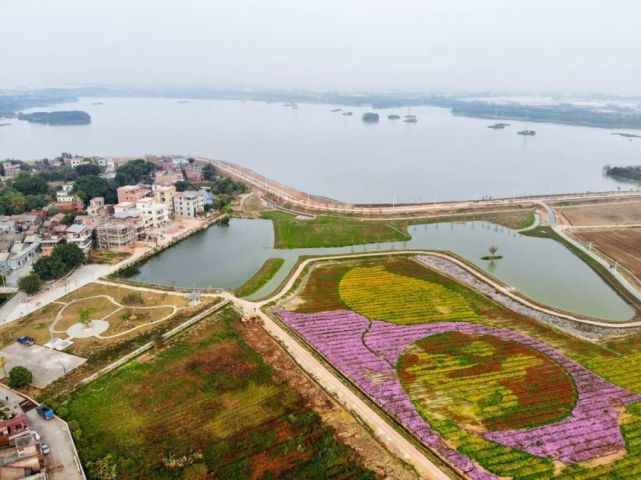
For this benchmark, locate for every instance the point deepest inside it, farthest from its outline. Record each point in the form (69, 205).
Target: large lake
(542, 269)
(442, 156)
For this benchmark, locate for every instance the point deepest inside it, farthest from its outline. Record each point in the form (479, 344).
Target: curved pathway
(119, 307)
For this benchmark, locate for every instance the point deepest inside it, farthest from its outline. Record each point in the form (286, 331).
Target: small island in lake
(393, 117)
(370, 117)
(410, 119)
(498, 126)
(71, 117)
(334, 110)
(626, 135)
(632, 172)
(347, 114)
(529, 133)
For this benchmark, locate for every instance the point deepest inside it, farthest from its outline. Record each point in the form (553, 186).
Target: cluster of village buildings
(143, 212)
(21, 453)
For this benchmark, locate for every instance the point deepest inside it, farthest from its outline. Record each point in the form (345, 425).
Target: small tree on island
(493, 249)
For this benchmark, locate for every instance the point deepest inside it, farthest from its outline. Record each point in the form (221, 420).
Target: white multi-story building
(153, 214)
(64, 195)
(79, 235)
(189, 203)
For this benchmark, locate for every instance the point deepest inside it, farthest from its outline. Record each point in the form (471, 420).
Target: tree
(134, 172)
(33, 202)
(181, 186)
(87, 169)
(30, 184)
(91, 186)
(12, 203)
(70, 254)
(30, 284)
(49, 268)
(19, 377)
(69, 217)
(493, 249)
(85, 316)
(209, 172)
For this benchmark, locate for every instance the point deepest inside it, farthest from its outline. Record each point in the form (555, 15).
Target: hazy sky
(535, 45)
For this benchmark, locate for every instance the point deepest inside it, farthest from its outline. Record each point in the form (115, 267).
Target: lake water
(441, 157)
(542, 269)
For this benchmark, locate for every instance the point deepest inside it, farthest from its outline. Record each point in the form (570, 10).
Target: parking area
(46, 365)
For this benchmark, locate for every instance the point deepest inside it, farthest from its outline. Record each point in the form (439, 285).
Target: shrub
(133, 298)
(19, 377)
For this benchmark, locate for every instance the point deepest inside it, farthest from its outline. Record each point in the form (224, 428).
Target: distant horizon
(348, 90)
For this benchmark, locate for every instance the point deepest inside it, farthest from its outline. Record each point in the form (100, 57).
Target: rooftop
(76, 228)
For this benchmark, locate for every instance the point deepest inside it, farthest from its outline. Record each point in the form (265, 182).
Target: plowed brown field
(622, 245)
(622, 213)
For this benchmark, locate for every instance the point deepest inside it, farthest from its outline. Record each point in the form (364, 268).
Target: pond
(542, 269)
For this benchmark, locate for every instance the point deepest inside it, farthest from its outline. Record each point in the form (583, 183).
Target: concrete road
(62, 463)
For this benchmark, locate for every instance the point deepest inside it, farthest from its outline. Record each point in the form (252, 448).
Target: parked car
(26, 341)
(44, 411)
(36, 435)
(45, 448)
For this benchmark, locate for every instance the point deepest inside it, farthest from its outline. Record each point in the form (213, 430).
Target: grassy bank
(261, 277)
(341, 231)
(209, 406)
(327, 231)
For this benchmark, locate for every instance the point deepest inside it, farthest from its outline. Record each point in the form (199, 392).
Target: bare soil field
(623, 246)
(618, 213)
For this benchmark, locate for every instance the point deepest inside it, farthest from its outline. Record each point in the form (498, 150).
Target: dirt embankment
(348, 429)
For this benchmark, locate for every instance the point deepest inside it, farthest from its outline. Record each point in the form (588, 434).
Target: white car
(45, 448)
(36, 435)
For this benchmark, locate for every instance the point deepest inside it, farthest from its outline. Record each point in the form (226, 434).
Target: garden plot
(493, 392)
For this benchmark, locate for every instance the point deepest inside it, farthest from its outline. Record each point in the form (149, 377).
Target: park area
(494, 393)
(602, 214)
(621, 245)
(118, 319)
(205, 406)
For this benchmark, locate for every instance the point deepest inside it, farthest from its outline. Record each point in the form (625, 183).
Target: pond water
(542, 269)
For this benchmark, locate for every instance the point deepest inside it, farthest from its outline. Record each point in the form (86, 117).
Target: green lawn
(327, 231)
(207, 407)
(261, 277)
(341, 231)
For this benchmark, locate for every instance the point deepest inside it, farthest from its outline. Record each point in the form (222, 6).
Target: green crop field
(206, 407)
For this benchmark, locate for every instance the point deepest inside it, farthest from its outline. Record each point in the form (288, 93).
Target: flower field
(494, 393)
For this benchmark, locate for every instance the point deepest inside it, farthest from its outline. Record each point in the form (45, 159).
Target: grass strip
(259, 279)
